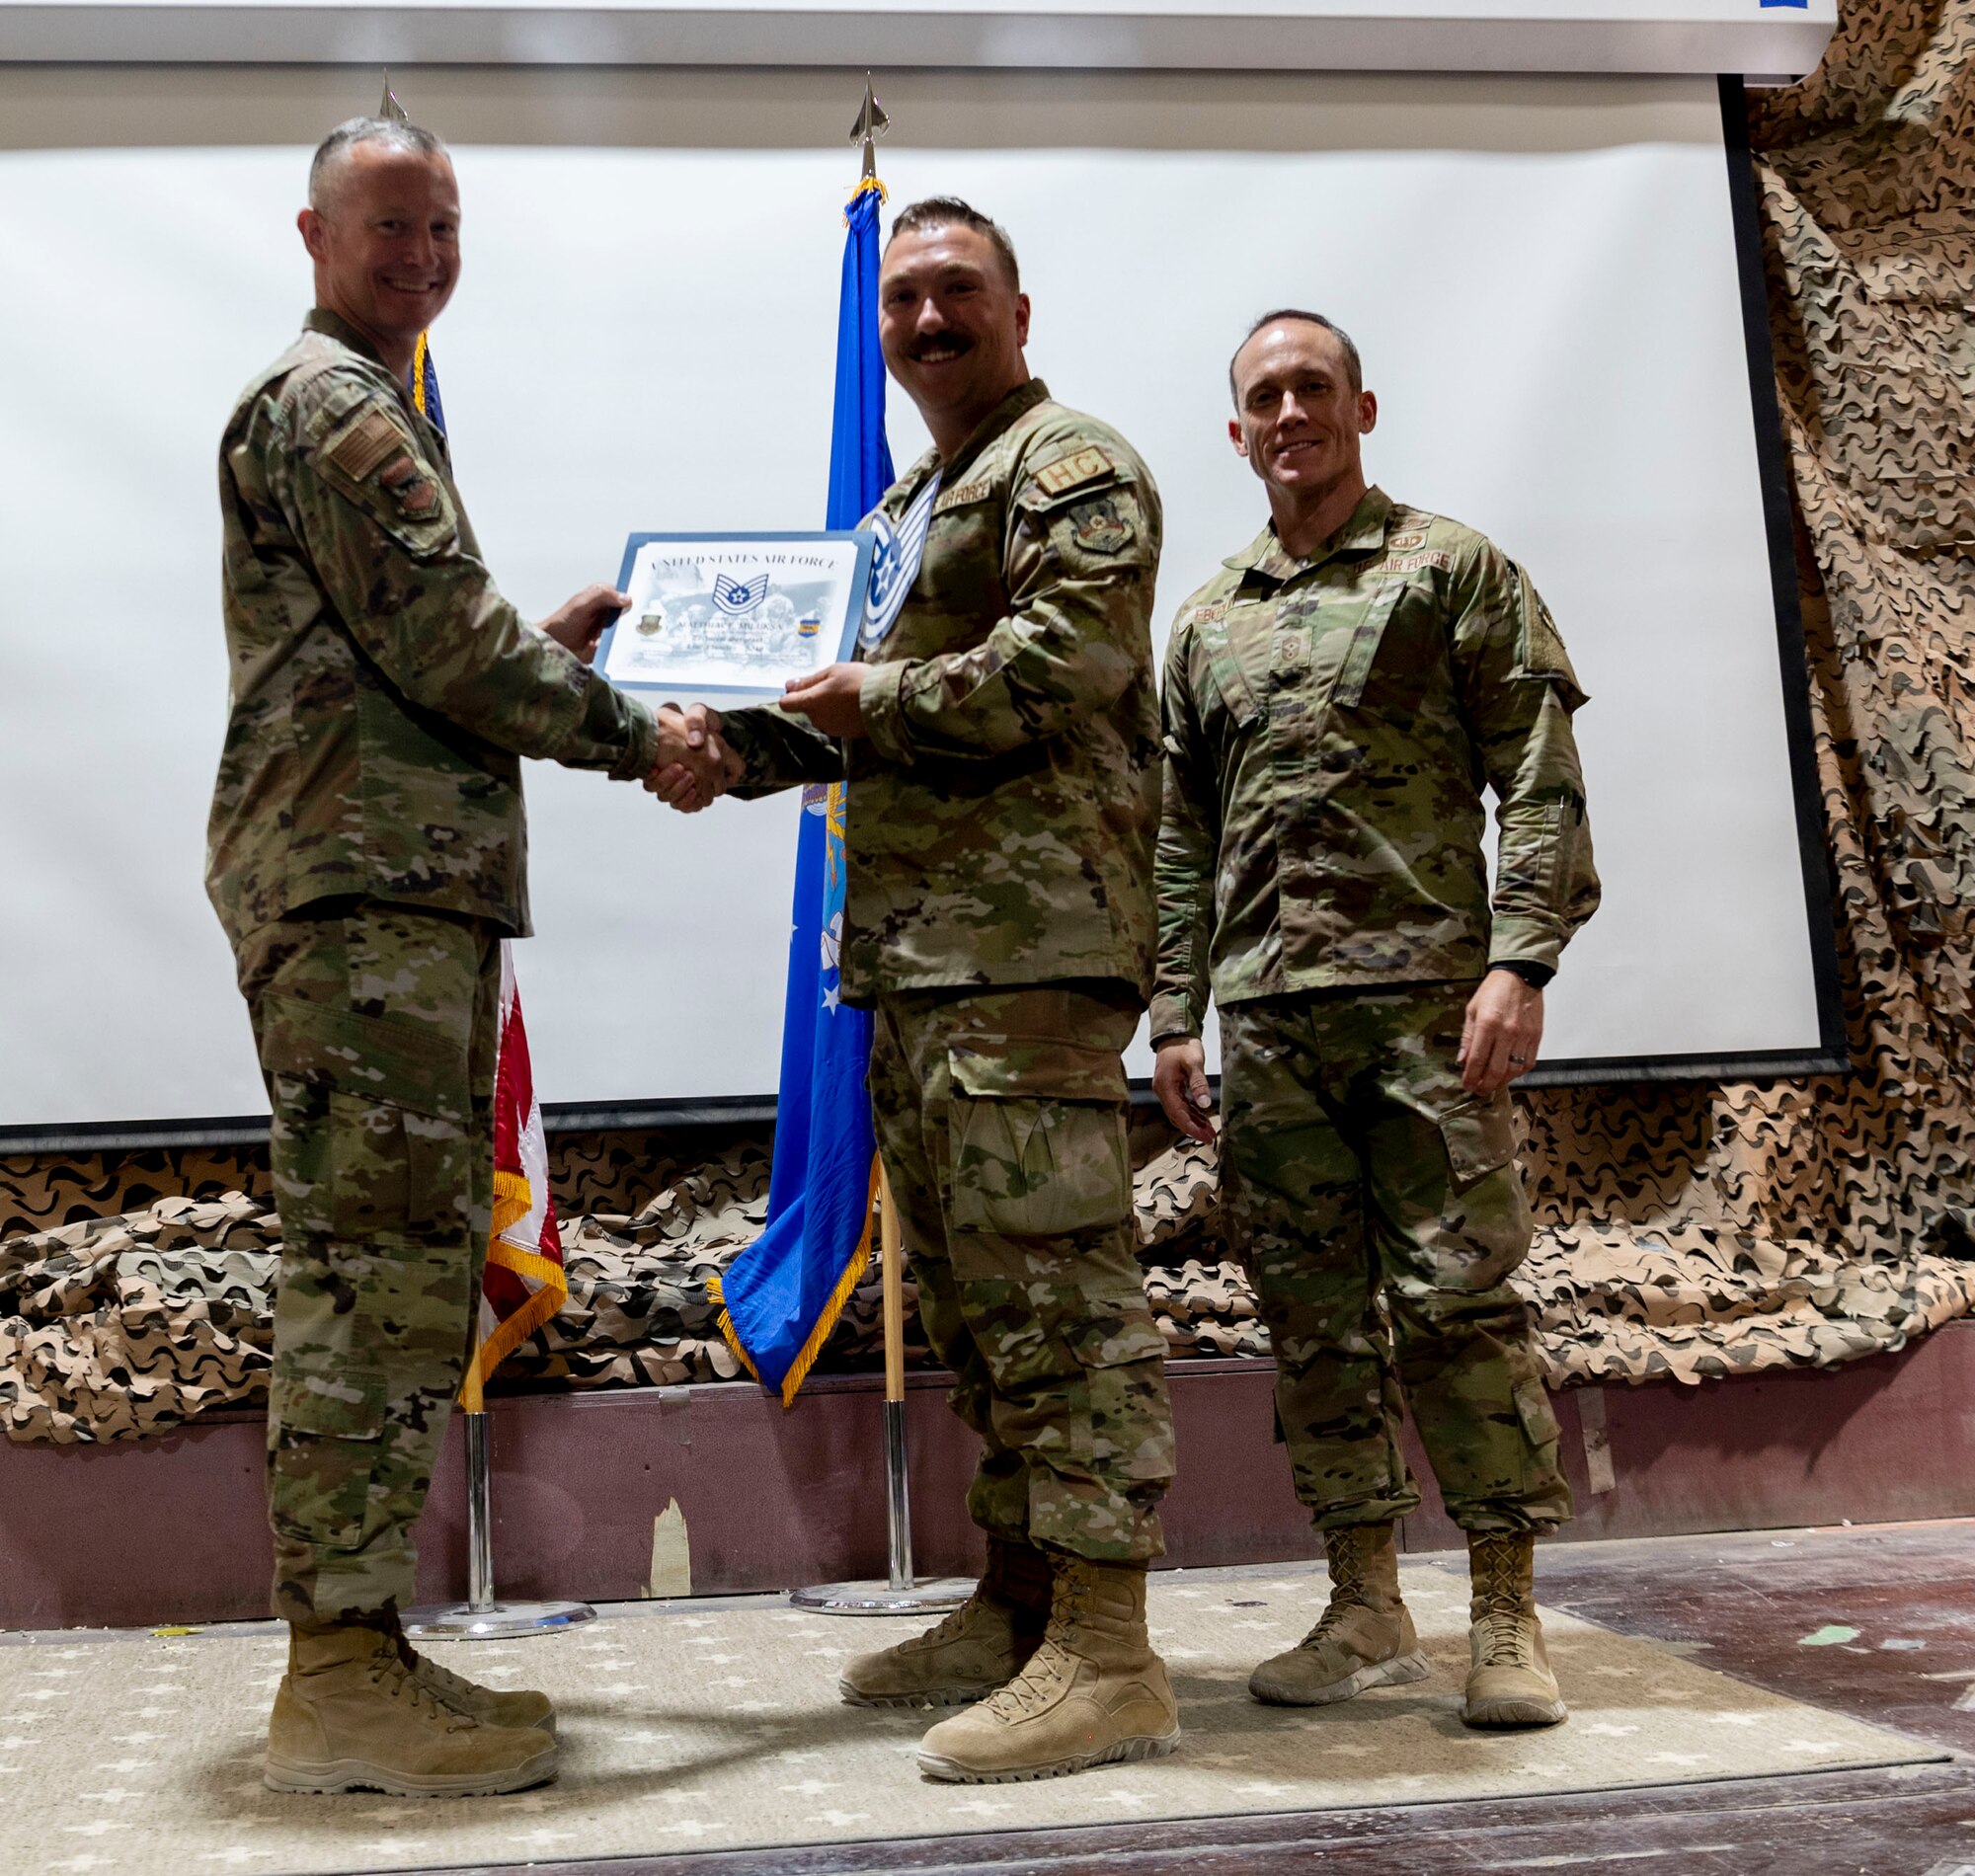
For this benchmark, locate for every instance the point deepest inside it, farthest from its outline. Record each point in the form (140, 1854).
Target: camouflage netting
(1684, 1231)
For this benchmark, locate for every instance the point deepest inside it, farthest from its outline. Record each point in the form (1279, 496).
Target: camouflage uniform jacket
(384, 691)
(1003, 802)
(1329, 725)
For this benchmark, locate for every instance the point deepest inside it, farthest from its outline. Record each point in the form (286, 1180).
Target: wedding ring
(1518, 1061)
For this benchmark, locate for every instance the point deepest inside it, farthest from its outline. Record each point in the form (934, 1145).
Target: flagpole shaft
(891, 1266)
(898, 1496)
(479, 1516)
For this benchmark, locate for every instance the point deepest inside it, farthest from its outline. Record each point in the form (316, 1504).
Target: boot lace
(392, 1677)
(1033, 1688)
(1049, 1666)
(1508, 1634)
(1347, 1590)
(951, 1625)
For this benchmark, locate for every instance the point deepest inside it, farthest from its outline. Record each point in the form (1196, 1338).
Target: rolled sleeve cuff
(1525, 941)
(884, 711)
(1172, 1016)
(641, 756)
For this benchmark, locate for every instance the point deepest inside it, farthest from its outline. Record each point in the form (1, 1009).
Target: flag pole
(897, 1491)
(903, 1593)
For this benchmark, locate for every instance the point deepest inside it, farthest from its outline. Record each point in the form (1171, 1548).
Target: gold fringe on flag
(512, 1202)
(826, 1322)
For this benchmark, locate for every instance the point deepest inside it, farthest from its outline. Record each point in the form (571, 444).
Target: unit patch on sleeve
(1073, 471)
(412, 488)
(1098, 527)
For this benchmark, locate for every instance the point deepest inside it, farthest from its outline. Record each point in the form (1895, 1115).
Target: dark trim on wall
(1820, 882)
(1747, 1065)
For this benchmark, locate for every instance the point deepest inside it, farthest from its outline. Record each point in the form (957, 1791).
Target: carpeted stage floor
(693, 1727)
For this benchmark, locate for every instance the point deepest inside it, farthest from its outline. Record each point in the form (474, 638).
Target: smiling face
(1297, 417)
(951, 326)
(385, 237)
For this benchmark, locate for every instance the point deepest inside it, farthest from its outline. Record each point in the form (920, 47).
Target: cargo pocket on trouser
(390, 1103)
(324, 1430)
(1484, 1222)
(1036, 1138)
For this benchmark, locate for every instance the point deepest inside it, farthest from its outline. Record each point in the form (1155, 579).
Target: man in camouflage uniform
(366, 856)
(1335, 700)
(1000, 737)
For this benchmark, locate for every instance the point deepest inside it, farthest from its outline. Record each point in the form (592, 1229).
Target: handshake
(695, 767)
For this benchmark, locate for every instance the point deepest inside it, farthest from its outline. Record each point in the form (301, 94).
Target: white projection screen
(1543, 274)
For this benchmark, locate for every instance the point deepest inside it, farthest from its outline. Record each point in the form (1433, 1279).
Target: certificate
(735, 614)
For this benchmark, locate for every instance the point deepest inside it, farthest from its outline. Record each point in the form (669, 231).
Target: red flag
(524, 1283)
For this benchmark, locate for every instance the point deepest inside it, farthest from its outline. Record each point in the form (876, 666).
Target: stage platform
(172, 1530)
(717, 1725)
(1778, 1705)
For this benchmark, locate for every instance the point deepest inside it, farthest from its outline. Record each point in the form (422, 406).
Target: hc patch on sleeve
(1073, 471)
(367, 443)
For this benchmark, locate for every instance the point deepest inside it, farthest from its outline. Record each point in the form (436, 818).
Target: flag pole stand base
(498, 1621)
(483, 1616)
(932, 1598)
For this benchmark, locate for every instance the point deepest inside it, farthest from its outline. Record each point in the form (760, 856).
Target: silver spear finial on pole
(391, 110)
(871, 124)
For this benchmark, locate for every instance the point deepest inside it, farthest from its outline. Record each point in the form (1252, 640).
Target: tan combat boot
(1365, 1637)
(987, 1641)
(1092, 1694)
(521, 1707)
(1510, 1683)
(349, 1716)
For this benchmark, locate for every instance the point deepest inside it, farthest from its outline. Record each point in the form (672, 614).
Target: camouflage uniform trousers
(1001, 1118)
(1379, 1212)
(377, 1026)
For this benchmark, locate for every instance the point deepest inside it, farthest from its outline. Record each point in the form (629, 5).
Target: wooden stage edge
(171, 1529)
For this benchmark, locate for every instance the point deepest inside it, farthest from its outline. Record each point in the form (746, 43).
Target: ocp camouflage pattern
(1003, 803)
(377, 1031)
(1329, 722)
(1003, 1121)
(1377, 1205)
(384, 691)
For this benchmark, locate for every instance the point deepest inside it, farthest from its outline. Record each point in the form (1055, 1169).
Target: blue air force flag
(781, 1296)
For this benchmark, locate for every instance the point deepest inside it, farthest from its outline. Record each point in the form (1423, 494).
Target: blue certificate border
(860, 582)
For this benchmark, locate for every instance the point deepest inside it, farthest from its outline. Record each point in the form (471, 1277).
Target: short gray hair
(335, 148)
(1354, 369)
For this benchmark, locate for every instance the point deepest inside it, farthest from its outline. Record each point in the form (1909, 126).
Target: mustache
(956, 343)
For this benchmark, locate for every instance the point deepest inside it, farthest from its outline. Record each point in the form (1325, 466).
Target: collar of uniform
(1363, 533)
(913, 480)
(335, 326)
(1023, 399)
